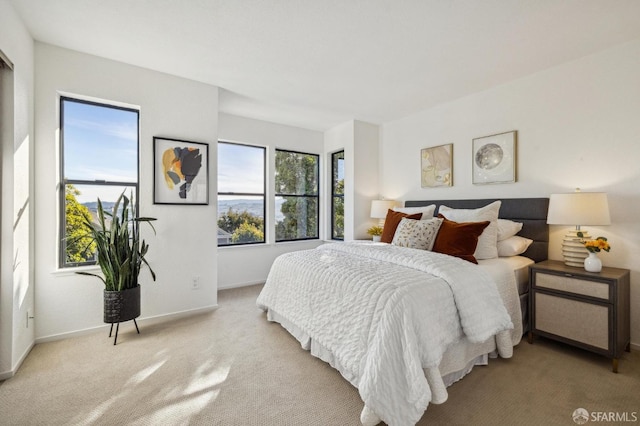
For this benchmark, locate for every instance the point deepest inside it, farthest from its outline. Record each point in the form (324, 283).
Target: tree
(244, 227)
(79, 246)
(297, 182)
(338, 212)
(247, 233)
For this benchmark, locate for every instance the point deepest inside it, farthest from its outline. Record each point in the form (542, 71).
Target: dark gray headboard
(532, 212)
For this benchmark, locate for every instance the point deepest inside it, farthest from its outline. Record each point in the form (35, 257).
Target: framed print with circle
(494, 158)
(180, 172)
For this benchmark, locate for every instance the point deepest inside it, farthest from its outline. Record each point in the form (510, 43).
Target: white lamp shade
(379, 208)
(579, 208)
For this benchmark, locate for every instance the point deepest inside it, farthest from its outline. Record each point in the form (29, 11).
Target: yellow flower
(375, 230)
(594, 246)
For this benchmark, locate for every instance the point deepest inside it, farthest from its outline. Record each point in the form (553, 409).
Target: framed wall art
(180, 172)
(494, 158)
(436, 166)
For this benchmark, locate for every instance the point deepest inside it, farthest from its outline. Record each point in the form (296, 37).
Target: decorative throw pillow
(391, 223)
(427, 211)
(418, 234)
(513, 246)
(507, 228)
(459, 239)
(487, 243)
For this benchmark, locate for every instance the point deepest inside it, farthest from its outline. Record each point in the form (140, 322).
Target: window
(99, 160)
(296, 195)
(337, 196)
(241, 194)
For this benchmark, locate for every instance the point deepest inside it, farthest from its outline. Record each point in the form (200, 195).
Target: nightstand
(584, 309)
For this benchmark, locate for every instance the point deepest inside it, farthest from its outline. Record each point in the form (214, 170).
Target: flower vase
(592, 263)
(376, 238)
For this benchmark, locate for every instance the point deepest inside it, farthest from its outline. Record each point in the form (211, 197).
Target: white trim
(9, 374)
(143, 321)
(238, 285)
(4, 58)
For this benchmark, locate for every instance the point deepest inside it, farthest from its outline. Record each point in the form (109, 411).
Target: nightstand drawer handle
(568, 275)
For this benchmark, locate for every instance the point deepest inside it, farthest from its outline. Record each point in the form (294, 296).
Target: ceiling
(319, 63)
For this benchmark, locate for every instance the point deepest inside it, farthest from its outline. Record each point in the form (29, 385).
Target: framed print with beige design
(437, 166)
(180, 172)
(494, 158)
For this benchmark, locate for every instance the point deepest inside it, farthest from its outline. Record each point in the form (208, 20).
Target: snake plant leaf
(120, 252)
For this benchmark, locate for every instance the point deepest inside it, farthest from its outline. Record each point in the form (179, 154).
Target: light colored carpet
(232, 367)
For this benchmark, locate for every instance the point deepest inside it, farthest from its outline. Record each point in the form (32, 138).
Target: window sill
(317, 241)
(63, 272)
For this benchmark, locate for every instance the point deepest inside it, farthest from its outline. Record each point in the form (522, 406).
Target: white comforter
(380, 314)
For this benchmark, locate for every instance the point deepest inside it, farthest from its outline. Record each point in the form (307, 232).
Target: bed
(402, 324)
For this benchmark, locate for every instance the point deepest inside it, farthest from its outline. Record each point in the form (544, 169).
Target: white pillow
(418, 234)
(427, 211)
(513, 246)
(507, 228)
(487, 247)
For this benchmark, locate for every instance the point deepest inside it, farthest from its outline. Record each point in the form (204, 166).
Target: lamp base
(573, 250)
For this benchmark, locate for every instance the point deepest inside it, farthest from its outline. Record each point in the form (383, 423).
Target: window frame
(334, 196)
(249, 194)
(62, 263)
(316, 196)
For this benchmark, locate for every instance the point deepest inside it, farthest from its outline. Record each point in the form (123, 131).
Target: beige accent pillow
(418, 234)
(427, 211)
(487, 247)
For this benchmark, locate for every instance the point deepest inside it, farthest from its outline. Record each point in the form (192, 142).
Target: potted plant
(375, 232)
(120, 255)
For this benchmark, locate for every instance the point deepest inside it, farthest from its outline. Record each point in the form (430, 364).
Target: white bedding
(380, 314)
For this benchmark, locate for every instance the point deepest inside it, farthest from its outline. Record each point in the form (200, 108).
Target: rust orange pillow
(391, 223)
(459, 239)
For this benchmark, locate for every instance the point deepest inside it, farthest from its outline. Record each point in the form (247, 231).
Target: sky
(100, 143)
(240, 168)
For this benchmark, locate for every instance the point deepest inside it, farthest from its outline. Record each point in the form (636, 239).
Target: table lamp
(577, 209)
(379, 210)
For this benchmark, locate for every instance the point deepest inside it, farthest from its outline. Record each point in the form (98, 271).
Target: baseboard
(635, 346)
(238, 285)
(143, 321)
(4, 375)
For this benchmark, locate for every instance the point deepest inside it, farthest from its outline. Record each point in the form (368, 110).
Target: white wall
(250, 264)
(185, 244)
(16, 265)
(578, 126)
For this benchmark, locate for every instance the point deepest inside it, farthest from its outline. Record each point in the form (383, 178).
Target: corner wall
(361, 144)
(577, 126)
(16, 154)
(185, 244)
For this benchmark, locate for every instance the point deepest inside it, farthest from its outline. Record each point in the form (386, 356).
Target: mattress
(520, 267)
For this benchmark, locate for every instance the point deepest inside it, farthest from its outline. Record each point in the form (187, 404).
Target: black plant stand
(121, 306)
(115, 339)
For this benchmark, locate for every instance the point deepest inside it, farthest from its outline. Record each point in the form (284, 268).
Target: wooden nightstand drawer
(573, 319)
(585, 309)
(573, 285)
